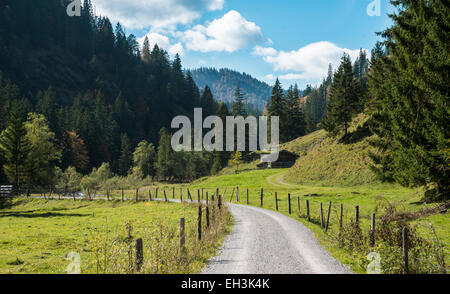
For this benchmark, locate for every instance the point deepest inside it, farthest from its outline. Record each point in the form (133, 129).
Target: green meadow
(37, 235)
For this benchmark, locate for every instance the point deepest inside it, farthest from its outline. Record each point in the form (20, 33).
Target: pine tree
(276, 105)
(295, 125)
(412, 126)
(329, 79)
(344, 99)
(238, 108)
(146, 50)
(14, 146)
(47, 106)
(126, 156)
(221, 157)
(164, 161)
(208, 103)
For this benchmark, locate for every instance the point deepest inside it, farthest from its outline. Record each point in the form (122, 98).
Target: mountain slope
(223, 83)
(327, 161)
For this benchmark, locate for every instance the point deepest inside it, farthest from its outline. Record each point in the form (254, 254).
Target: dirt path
(267, 242)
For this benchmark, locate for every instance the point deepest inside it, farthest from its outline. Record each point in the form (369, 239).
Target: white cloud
(230, 33)
(261, 51)
(164, 43)
(290, 76)
(138, 14)
(311, 62)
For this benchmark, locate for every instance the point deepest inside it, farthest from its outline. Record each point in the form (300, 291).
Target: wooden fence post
(198, 195)
(247, 197)
(189, 195)
(262, 197)
(298, 204)
(237, 194)
(405, 250)
(328, 217)
(321, 215)
(149, 195)
(107, 194)
(307, 210)
(165, 196)
(182, 236)
(202, 193)
(139, 254)
(173, 192)
(232, 194)
(341, 216)
(276, 201)
(357, 215)
(123, 195)
(200, 222)
(156, 192)
(181, 194)
(289, 202)
(219, 199)
(207, 215)
(207, 198)
(372, 231)
(137, 195)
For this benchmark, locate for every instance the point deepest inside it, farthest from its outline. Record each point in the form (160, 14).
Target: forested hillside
(223, 84)
(98, 92)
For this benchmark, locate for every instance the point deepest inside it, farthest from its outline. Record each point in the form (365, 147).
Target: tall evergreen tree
(295, 125)
(344, 99)
(238, 108)
(146, 50)
(208, 103)
(126, 156)
(276, 104)
(164, 162)
(14, 146)
(412, 128)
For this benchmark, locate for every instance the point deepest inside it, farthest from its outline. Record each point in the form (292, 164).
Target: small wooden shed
(286, 159)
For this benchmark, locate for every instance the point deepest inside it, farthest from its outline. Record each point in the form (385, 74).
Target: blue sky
(291, 39)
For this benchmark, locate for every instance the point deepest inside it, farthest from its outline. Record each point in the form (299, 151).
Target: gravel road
(267, 242)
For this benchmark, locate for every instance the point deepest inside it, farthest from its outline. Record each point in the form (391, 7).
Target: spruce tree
(295, 119)
(126, 156)
(221, 157)
(412, 127)
(146, 50)
(164, 162)
(14, 146)
(238, 108)
(344, 99)
(276, 105)
(208, 103)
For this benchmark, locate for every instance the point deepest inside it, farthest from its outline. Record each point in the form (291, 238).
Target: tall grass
(114, 252)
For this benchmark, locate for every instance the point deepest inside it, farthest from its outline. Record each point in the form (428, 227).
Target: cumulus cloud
(309, 62)
(138, 14)
(164, 43)
(230, 33)
(261, 51)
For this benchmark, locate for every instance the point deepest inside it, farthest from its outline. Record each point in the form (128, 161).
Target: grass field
(370, 198)
(37, 235)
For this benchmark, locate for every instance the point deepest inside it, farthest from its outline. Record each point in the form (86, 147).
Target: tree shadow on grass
(32, 214)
